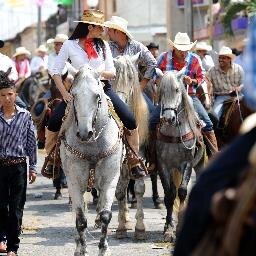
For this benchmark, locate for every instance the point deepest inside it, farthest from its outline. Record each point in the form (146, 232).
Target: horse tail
(140, 111)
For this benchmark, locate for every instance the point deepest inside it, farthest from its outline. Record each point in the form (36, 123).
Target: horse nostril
(77, 134)
(90, 133)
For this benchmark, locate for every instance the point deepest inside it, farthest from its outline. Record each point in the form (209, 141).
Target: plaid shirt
(223, 82)
(132, 48)
(194, 67)
(17, 139)
(250, 65)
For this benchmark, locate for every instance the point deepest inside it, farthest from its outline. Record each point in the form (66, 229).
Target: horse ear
(135, 58)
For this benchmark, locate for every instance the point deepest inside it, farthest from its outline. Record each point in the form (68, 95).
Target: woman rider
(85, 47)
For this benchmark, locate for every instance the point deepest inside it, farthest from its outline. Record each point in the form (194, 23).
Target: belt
(12, 161)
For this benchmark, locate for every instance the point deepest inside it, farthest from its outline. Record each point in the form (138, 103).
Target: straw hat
(50, 40)
(60, 38)
(203, 46)
(226, 51)
(94, 17)
(20, 51)
(182, 42)
(1, 44)
(120, 24)
(41, 48)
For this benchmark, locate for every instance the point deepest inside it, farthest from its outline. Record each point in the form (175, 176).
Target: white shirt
(38, 62)
(68, 67)
(78, 57)
(5, 64)
(207, 62)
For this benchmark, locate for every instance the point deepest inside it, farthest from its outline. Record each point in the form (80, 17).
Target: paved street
(49, 225)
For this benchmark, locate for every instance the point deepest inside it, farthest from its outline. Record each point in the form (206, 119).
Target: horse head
(88, 99)
(170, 95)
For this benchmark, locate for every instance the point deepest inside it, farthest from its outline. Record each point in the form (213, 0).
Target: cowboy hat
(41, 48)
(203, 46)
(60, 38)
(118, 23)
(50, 40)
(20, 51)
(182, 42)
(1, 44)
(94, 17)
(152, 45)
(226, 51)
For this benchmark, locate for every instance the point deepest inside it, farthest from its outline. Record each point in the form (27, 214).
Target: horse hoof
(140, 234)
(104, 252)
(128, 225)
(169, 237)
(121, 233)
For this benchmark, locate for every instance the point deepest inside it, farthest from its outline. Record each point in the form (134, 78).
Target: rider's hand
(32, 177)
(67, 97)
(187, 80)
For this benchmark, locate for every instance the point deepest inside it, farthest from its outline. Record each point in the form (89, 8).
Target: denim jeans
(13, 186)
(199, 108)
(203, 115)
(218, 104)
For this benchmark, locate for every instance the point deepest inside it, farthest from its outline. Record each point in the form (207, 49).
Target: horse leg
(140, 233)
(183, 190)
(124, 222)
(169, 197)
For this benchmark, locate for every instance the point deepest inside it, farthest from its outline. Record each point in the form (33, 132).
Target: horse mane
(127, 82)
(170, 80)
(68, 118)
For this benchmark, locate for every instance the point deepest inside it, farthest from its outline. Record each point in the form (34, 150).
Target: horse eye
(177, 89)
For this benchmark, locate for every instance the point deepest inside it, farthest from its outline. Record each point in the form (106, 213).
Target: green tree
(233, 8)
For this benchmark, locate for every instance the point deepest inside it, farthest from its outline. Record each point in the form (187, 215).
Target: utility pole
(210, 33)
(39, 25)
(189, 21)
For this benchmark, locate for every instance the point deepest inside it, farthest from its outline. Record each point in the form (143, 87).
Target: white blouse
(78, 57)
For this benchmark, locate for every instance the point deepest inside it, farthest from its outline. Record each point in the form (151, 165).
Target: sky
(15, 15)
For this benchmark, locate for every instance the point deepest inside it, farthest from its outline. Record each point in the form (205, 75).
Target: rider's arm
(109, 71)
(56, 71)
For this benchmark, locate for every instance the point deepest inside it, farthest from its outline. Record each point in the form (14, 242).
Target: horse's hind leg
(81, 225)
(140, 233)
(124, 222)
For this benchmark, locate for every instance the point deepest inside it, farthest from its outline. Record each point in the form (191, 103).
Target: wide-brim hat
(41, 48)
(20, 51)
(1, 43)
(182, 42)
(226, 51)
(152, 45)
(203, 46)
(118, 23)
(94, 17)
(60, 38)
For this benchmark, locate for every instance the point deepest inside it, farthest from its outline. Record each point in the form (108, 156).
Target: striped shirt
(132, 48)
(194, 67)
(223, 82)
(17, 137)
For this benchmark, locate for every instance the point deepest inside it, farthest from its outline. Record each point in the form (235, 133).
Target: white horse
(91, 143)
(176, 146)
(128, 88)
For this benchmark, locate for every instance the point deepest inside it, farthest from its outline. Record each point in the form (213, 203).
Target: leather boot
(135, 164)
(50, 141)
(211, 142)
(152, 152)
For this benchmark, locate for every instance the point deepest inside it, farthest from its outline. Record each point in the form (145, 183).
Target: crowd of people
(86, 48)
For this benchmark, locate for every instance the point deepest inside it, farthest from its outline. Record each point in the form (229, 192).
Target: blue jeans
(218, 104)
(199, 108)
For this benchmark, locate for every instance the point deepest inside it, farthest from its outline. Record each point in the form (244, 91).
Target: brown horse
(234, 112)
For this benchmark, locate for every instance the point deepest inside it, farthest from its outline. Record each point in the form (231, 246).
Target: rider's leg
(55, 120)
(132, 135)
(208, 131)
(218, 104)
